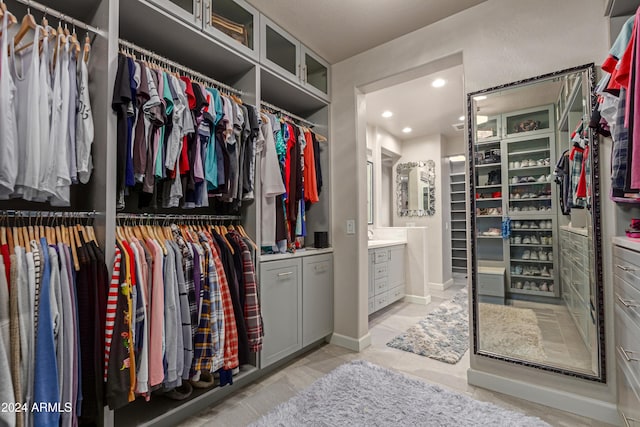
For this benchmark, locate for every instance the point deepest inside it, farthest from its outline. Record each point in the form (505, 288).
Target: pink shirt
(156, 330)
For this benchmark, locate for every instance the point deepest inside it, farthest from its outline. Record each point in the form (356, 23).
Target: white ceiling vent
(458, 126)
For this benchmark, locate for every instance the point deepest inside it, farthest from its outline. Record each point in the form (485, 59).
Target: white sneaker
(526, 240)
(518, 285)
(517, 224)
(527, 286)
(544, 287)
(545, 272)
(534, 255)
(517, 240)
(542, 256)
(523, 164)
(533, 225)
(542, 178)
(534, 286)
(551, 287)
(534, 240)
(526, 254)
(515, 180)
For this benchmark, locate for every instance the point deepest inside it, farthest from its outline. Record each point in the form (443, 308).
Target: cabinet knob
(198, 9)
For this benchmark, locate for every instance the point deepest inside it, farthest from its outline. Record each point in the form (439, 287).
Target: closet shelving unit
(260, 67)
(458, 191)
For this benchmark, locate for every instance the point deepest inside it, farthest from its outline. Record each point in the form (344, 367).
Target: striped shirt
(35, 249)
(112, 303)
(202, 349)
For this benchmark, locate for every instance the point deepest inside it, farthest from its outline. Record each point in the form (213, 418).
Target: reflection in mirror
(369, 193)
(537, 278)
(416, 191)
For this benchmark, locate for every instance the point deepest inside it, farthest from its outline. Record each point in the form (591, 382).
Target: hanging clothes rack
(273, 108)
(61, 16)
(47, 214)
(177, 217)
(170, 63)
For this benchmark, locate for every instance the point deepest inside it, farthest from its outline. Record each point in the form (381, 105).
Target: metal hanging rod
(61, 16)
(179, 217)
(286, 113)
(151, 54)
(46, 214)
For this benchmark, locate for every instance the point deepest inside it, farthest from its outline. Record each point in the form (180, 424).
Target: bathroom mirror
(416, 188)
(536, 249)
(369, 193)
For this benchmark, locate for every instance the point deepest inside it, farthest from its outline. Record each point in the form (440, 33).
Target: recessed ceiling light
(438, 83)
(387, 114)
(407, 130)
(480, 97)
(461, 118)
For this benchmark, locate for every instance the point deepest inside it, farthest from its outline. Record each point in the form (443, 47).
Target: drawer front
(628, 396)
(396, 293)
(491, 284)
(627, 265)
(628, 298)
(372, 305)
(380, 270)
(627, 340)
(381, 256)
(381, 301)
(381, 285)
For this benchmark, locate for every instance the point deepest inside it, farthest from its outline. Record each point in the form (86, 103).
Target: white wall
(377, 141)
(422, 149)
(501, 41)
(387, 205)
(455, 145)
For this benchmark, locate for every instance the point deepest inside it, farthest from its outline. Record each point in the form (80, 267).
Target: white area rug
(510, 331)
(363, 394)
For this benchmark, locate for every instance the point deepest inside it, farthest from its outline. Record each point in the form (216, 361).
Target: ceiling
(416, 104)
(339, 29)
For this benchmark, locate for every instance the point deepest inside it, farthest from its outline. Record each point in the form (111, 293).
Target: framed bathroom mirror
(416, 194)
(536, 249)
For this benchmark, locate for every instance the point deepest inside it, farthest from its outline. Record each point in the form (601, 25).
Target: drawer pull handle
(625, 268)
(626, 354)
(288, 273)
(626, 420)
(627, 303)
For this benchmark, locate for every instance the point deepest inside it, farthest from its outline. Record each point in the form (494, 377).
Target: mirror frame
(596, 229)
(402, 167)
(370, 193)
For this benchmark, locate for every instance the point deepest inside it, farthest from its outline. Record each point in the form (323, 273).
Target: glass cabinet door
(530, 121)
(280, 50)
(487, 128)
(315, 73)
(235, 22)
(187, 10)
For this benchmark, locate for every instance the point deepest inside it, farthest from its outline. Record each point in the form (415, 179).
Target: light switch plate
(351, 226)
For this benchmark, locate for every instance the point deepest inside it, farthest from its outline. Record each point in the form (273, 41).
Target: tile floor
(248, 404)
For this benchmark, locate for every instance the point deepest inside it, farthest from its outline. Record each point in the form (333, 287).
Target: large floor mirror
(536, 245)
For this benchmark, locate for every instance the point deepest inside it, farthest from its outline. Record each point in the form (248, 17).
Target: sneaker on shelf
(517, 240)
(523, 180)
(525, 226)
(524, 196)
(511, 165)
(523, 164)
(518, 270)
(527, 286)
(550, 255)
(493, 232)
(533, 225)
(496, 194)
(517, 165)
(544, 272)
(540, 162)
(534, 240)
(542, 256)
(515, 209)
(547, 161)
(534, 286)
(531, 179)
(549, 178)
(515, 180)
(549, 224)
(526, 240)
(516, 224)
(551, 287)
(532, 162)
(518, 285)
(526, 254)
(542, 178)
(534, 255)
(515, 196)
(544, 287)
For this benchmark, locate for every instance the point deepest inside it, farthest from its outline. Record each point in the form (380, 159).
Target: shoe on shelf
(522, 180)
(540, 162)
(526, 254)
(492, 232)
(544, 287)
(526, 240)
(496, 194)
(534, 240)
(511, 165)
(515, 209)
(534, 255)
(524, 163)
(534, 286)
(516, 224)
(532, 162)
(517, 165)
(533, 225)
(531, 179)
(517, 240)
(525, 226)
(542, 256)
(547, 161)
(515, 180)
(544, 272)
(551, 287)
(542, 178)
(518, 270)
(549, 224)
(527, 286)
(518, 285)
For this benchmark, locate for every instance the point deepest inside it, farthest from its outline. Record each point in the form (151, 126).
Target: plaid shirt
(187, 265)
(252, 314)
(231, 360)
(576, 170)
(619, 154)
(202, 350)
(217, 310)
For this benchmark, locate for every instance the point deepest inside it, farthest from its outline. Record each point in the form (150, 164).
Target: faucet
(370, 234)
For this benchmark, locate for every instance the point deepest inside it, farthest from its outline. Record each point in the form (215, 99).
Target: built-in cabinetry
(458, 215)
(513, 163)
(386, 276)
(575, 255)
(297, 304)
(626, 259)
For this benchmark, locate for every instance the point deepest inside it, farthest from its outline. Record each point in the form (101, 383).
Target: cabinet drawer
(381, 285)
(627, 340)
(381, 301)
(396, 293)
(627, 298)
(491, 284)
(628, 396)
(380, 270)
(381, 256)
(372, 305)
(625, 269)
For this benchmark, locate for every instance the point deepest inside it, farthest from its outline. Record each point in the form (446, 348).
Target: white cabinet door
(235, 23)
(317, 298)
(396, 266)
(315, 73)
(281, 299)
(279, 50)
(189, 11)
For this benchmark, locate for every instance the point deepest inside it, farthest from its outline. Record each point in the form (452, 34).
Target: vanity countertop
(582, 231)
(379, 243)
(627, 242)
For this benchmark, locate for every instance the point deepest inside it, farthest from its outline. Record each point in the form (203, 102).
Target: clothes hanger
(11, 20)
(74, 243)
(10, 241)
(28, 23)
(3, 233)
(76, 44)
(87, 49)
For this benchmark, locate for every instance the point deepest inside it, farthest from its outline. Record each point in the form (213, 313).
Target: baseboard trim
(558, 399)
(441, 286)
(416, 299)
(354, 344)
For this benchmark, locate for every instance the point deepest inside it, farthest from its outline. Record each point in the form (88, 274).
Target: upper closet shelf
(82, 10)
(620, 7)
(279, 91)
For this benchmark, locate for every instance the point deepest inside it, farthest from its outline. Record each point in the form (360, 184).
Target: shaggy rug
(362, 394)
(510, 331)
(444, 333)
